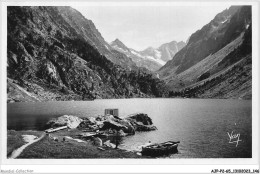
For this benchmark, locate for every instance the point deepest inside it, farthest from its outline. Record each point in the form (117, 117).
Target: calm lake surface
(201, 125)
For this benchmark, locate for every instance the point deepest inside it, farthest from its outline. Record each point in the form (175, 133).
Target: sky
(139, 27)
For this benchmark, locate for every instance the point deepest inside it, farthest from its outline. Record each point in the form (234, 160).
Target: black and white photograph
(139, 81)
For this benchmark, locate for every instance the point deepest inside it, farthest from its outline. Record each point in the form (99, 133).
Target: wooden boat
(160, 149)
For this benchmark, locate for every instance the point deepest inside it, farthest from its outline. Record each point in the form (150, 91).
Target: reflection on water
(200, 125)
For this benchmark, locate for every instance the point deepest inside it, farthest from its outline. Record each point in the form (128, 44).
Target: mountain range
(150, 58)
(55, 53)
(165, 52)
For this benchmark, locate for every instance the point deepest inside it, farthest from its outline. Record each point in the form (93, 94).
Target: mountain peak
(117, 43)
(149, 49)
(173, 42)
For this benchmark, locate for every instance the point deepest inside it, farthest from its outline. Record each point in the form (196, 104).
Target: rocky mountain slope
(168, 50)
(216, 62)
(54, 53)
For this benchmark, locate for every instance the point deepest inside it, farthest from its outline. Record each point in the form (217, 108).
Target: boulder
(145, 127)
(118, 124)
(65, 120)
(140, 117)
(107, 117)
(109, 132)
(129, 129)
(110, 124)
(141, 122)
(97, 141)
(109, 144)
(121, 133)
(92, 120)
(98, 118)
(85, 123)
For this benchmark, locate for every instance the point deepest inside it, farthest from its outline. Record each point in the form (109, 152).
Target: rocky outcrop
(130, 124)
(141, 122)
(110, 124)
(116, 123)
(129, 127)
(86, 122)
(141, 127)
(140, 117)
(107, 124)
(65, 120)
(18, 94)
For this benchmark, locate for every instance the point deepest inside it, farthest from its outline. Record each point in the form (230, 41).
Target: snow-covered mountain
(141, 61)
(150, 58)
(168, 50)
(163, 53)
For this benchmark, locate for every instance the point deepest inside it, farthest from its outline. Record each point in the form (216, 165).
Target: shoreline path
(18, 151)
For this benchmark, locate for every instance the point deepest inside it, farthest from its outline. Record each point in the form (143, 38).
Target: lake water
(201, 125)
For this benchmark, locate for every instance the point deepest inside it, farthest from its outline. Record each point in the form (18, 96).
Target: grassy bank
(48, 148)
(15, 139)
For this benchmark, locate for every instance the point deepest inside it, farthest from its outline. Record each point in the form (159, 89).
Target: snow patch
(158, 54)
(116, 47)
(224, 21)
(107, 47)
(137, 54)
(156, 60)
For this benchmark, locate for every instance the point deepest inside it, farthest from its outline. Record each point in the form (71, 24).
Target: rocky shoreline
(84, 137)
(106, 123)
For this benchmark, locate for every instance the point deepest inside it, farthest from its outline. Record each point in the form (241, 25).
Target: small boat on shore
(160, 149)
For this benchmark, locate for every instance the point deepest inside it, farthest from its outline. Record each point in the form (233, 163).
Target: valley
(55, 53)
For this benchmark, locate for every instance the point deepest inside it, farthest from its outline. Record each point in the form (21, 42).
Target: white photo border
(119, 165)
